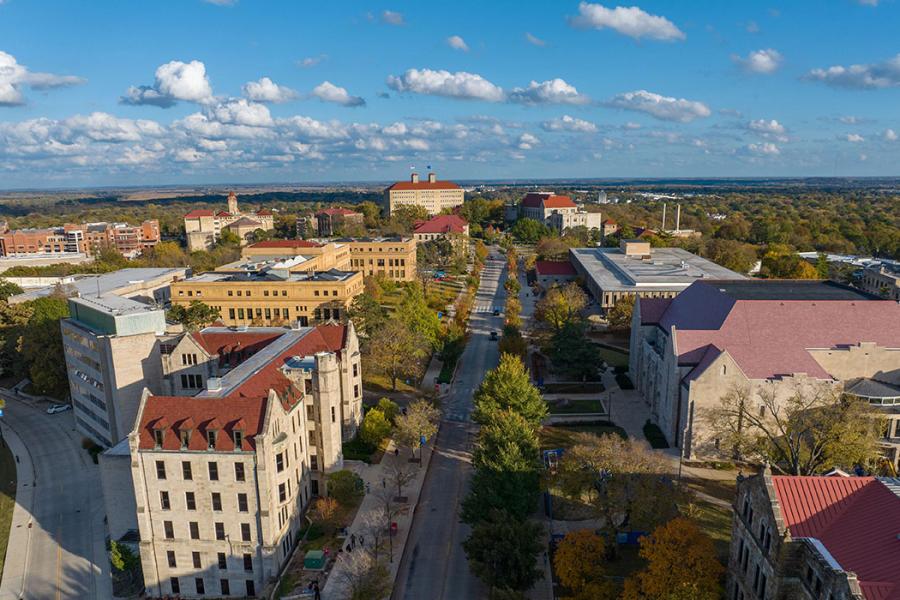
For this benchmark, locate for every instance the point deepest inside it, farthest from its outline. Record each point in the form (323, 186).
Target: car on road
(493, 336)
(496, 312)
(58, 408)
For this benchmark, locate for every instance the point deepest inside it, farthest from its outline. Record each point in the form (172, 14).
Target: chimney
(678, 218)
(432, 178)
(414, 178)
(664, 217)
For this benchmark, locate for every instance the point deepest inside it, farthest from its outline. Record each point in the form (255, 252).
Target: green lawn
(380, 383)
(714, 521)
(613, 358)
(576, 406)
(7, 499)
(553, 436)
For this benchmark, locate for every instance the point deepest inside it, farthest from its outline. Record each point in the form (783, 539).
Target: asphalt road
(66, 556)
(434, 565)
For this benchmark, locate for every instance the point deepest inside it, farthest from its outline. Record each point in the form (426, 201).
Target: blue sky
(192, 91)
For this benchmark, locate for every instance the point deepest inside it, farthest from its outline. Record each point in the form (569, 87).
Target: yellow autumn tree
(681, 565)
(579, 565)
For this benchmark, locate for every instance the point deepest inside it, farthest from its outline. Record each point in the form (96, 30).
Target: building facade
(203, 227)
(562, 221)
(449, 227)
(554, 272)
(332, 221)
(881, 279)
(223, 474)
(814, 538)
(432, 195)
(86, 238)
(755, 337)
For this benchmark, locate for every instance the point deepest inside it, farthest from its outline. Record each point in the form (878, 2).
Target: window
(196, 557)
(198, 581)
(211, 439)
(312, 438)
(173, 583)
(332, 414)
(314, 462)
(314, 487)
(188, 359)
(216, 501)
(251, 587)
(282, 494)
(213, 471)
(169, 530)
(189, 501)
(279, 462)
(248, 562)
(160, 469)
(186, 470)
(224, 587)
(164, 501)
(239, 471)
(220, 531)
(242, 502)
(191, 382)
(355, 369)
(223, 563)
(245, 532)
(170, 556)
(158, 437)
(195, 530)
(310, 411)
(238, 437)
(230, 310)
(356, 391)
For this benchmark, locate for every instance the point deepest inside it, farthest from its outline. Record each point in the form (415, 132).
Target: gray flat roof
(667, 269)
(107, 283)
(299, 277)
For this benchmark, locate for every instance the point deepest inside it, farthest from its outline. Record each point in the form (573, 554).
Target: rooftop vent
(214, 384)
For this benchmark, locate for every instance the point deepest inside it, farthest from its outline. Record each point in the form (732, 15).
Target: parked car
(493, 336)
(496, 312)
(58, 408)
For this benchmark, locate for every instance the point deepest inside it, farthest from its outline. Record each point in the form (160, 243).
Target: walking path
(17, 551)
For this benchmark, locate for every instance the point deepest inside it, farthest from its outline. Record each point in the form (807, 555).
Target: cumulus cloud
(328, 92)
(568, 123)
(881, 75)
(392, 18)
(527, 141)
(854, 138)
(175, 81)
(662, 107)
(553, 91)
(764, 126)
(760, 61)
(311, 61)
(461, 84)
(630, 21)
(765, 149)
(457, 43)
(14, 76)
(890, 135)
(242, 112)
(534, 40)
(266, 90)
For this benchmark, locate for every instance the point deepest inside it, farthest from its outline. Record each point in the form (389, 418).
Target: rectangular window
(195, 530)
(282, 494)
(314, 462)
(223, 563)
(312, 438)
(238, 438)
(164, 501)
(216, 501)
(230, 311)
(248, 563)
(169, 530)
(211, 439)
(173, 583)
(224, 587)
(160, 469)
(251, 587)
(245, 532)
(356, 391)
(332, 414)
(170, 556)
(186, 470)
(239, 471)
(213, 471)
(189, 501)
(220, 531)
(355, 369)
(198, 581)
(242, 502)
(196, 557)
(279, 462)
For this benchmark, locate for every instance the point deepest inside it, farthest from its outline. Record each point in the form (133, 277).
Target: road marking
(58, 557)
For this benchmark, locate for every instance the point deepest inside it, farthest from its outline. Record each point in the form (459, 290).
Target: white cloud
(763, 126)
(630, 21)
(392, 18)
(631, 125)
(850, 120)
(760, 61)
(457, 43)
(854, 138)
(242, 112)
(765, 149)
(266, 90)
(14, 76)
(534, 40)
(881, 75)
(553, 91)
(890, 135)
(328, 92)
(661, 107)
(104, 127)
(175, 81)
(311, 61)
(568, 123)
(468, 86)
(527, 141)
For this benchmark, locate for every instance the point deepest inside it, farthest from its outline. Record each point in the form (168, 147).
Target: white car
(58, 408)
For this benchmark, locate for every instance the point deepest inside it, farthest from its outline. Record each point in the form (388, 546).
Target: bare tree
(365, 577)
(401, 475)
(421, 420)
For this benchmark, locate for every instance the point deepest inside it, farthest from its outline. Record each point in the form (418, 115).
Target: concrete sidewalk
(17, 552)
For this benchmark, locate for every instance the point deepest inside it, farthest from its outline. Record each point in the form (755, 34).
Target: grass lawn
(380, 383)
(714, 521)
(612, 357)
(722, 489)
(575, 406)
(7, 499)
(553, 436)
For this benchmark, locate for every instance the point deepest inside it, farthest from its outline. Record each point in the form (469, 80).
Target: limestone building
(449, 227)
(432, 195)
(204, 226)
(757, 336)
(882, 279)
(332, 220)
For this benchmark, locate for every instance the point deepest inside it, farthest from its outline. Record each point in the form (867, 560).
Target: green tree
(396, 351)
(375, 427)
(502, 550)
(228, 238)
(196, 315)
(823, 269)
(41, 347)
(371, 213)
(421, 419)
(529, 231)
(345, 486)
(512, 341)
(389, 408)
(732, 254)
(414, 311)
(508, 388)
(7, 289)
(573, 354)
(560, 306)
(619, 316)
(366, 313)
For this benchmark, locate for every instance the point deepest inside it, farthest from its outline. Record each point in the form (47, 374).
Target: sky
(128, 92)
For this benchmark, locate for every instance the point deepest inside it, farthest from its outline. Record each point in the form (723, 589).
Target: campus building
(772, 337)
(449, 227)
(814, 538)
(204, 226)
(432, 195)
(882, 279)
(223, 468)
(557, 212)
(332, 220)
(75, 239)
(636, 269)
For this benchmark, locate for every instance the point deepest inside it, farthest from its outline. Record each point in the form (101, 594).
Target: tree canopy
(508, 388)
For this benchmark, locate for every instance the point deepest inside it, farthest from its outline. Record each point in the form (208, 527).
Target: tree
(529, 231)
(366, 577)
(366, 313)
(196, 315)
(801, 432)
(681, 565)
(481, 251)
(7, 289)
(228, 238)
(374, 427)
(345, 486)
(371, 213)
(512, 342)
(560, 306)
(508, 388)
(413, 310)
(41, 349)
(389, 408)
(400, 475)
(573, 354)
(421, 419)
(732, 254)
(502, 550)
(122, 558)
(325, 510)
(579, 564)
(396, 351)
(552, 248)
(619, 316)
(823, 269)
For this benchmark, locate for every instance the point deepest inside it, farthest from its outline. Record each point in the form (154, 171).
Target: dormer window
(185, 437)
(211, 439)
(158, 437)
(238, 436)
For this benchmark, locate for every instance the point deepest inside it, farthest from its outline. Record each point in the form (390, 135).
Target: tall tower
(232, 203)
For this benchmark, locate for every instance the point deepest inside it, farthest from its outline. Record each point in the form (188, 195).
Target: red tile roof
(546, 200)
(424, 185)
(199, 212)
(263, 212)
(608, 222)
(221, 343)
(338, 212)
(772, 338)
(247, 401)
(223, 213)
(856, 518)
(286, 244)
(443, 224)
(554, 267)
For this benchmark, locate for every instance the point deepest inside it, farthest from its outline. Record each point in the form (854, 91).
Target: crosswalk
(484, 307)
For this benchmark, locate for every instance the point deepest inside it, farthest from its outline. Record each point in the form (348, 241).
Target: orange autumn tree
(681, 565)
(579, 565)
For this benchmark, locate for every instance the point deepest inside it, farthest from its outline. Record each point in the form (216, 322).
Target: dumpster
(314, 560)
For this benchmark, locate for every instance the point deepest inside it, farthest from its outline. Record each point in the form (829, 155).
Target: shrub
(375, 427)
(345, 487)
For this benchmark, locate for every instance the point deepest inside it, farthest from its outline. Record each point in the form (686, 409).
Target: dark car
(493, 336)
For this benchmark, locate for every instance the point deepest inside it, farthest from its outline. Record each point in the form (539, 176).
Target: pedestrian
(384, 482)
(318, 594)
(362, 543)
(367, 487)
(353, 539)
(396, 452)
